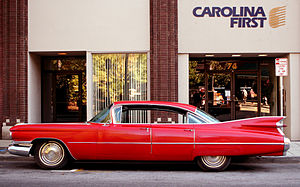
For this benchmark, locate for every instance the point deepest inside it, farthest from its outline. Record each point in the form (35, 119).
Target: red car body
(187, 141)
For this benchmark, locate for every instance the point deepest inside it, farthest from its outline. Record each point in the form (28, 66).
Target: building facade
(64, 61)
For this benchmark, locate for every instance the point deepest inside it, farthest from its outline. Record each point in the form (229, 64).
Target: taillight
(280, 124)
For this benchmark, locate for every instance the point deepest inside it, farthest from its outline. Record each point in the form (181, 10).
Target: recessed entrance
(233, 88)
(63, 89)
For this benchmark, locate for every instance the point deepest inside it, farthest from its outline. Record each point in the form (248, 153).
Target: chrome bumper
(20, 148)
(287, 144)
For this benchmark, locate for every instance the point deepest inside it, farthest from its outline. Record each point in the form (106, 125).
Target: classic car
(150, 131)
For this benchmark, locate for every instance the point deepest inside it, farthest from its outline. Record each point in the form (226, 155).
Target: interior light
(62, 53)
(262, 55)
(209, 55)
(236, 55)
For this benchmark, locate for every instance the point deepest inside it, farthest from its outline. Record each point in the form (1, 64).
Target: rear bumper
(20, 148)
(287, 144)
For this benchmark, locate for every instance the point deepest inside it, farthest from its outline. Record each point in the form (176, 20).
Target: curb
(3, 150)
(15, 158)
(6, 156)
(267, 159)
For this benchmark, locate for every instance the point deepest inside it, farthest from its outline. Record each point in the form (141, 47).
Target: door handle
(189, 130)
(145, 128)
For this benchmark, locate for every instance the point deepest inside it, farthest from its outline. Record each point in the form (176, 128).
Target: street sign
(281, 67)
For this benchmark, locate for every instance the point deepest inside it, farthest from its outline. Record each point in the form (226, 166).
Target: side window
(150, 114)
(135, 116)
(102, 117)
(118, 114)
(167, 117)
(194, 120)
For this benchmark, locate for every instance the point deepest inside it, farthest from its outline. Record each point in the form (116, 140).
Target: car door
(123, 140)
(175, 141)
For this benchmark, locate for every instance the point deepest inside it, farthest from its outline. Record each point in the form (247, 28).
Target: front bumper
(20, 148)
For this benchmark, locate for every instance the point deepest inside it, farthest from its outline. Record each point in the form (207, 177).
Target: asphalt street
(26, 173)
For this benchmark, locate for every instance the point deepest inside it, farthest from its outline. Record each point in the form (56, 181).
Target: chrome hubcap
(51, 153)
(213, 161)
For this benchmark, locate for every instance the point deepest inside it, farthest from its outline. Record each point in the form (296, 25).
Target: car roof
(161, 103)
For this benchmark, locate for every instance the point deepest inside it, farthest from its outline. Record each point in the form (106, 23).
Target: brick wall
(164, 50)
(13, 61)
(13, 56)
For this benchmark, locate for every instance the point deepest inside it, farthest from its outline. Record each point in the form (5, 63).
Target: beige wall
(214, 35)
(88, 25)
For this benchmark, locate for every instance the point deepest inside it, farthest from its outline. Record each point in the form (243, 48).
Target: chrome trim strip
(179, 143)
(151, 140)
(21, 142)
(19, 150)
(146, 143)
(84, 142)
(237, 120)
(238, 143)
(68, 123)
(155, 104)
(194, 139)
(280, 131)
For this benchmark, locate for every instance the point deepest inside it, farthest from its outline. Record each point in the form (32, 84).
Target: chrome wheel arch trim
(52, 139)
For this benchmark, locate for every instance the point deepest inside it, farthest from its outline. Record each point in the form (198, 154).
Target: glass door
(246, 95)
(219, 95)
(63, 89)
(67, 97)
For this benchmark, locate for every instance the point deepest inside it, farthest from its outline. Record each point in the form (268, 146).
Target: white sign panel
(281, 67)
(206, 26)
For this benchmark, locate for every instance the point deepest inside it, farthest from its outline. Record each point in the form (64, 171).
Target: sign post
(281, 68)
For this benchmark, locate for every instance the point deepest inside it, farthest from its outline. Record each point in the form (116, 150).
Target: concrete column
(293, 96)
(34, 89)
(89, 85)
(183, 78)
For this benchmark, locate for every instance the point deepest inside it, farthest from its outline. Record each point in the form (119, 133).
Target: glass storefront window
(268, 89)
(118, 77)
(64, 64)
(233, 88)
(246, 92)
(230, 65)
(219, 95)
(197, 84)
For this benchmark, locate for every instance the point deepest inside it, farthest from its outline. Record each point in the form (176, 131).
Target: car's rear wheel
(213, 163)
(51, 155)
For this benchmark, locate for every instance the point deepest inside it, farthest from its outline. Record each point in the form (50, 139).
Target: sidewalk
(293, 154)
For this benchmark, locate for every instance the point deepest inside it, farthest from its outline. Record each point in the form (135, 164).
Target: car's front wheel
(213, 163)
(50, 155)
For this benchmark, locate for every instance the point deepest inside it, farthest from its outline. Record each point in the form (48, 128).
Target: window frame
(151, 107)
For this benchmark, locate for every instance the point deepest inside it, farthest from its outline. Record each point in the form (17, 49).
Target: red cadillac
(150, 131)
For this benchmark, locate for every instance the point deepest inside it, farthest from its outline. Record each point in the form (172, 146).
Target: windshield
(102, 117)
(206, 116)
